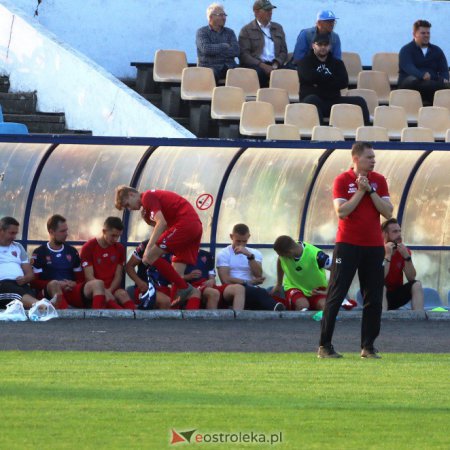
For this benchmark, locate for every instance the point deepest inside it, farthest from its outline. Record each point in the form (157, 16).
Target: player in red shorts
(177, 230)
(103, 258)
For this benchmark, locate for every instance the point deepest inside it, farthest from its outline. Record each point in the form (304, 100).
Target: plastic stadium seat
(431, 298)
(247, 79)
(13, 128)
(435, 117)
(197, 83)
(386, 62)
(372, 134)
(376, 80)
(278, 97)
(286, 79)
(352, 62)
(255, 118)
(168, 66)
(442, 98)
(346, 117)
(447, 136)
(408, 99)
(393, 118)
(283, 132)
(227, 102)
(304, 116)
(324, 133)
(369, 95)
(417, 134)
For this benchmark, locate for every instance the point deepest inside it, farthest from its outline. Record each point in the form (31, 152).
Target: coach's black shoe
(328, 351)
(367, 353)
(279, 307)
(183, 295)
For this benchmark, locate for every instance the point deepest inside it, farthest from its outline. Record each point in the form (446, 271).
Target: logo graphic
(181, 436)
(204, 201)
(69, 257)
(338, 260)
(14, 253)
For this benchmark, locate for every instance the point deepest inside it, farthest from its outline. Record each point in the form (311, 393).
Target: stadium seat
(369, 95)
(352, 62)
(393, 118)
(197, 83)
(435, 117)
(13, 128)
(447, 136)
(442, 98)
(283, 132)
(386, 62)
(408, 99)
(417, 134)
(286, 79)
(255, 118)
(324, 133)
(168, 66)
(304, 116)
(431, 298)
(278, 97)
(227, 102)
(247, 79)
(372, 134)
(346, 117)
(376, 80)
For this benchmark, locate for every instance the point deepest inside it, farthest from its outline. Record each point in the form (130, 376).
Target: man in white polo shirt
(15, 268)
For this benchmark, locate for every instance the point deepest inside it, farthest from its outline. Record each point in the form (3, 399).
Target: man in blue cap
(324, 25)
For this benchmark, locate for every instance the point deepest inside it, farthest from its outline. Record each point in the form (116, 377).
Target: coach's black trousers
(368, 261)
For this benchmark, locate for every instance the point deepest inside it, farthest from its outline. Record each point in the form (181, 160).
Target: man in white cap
(325, 23)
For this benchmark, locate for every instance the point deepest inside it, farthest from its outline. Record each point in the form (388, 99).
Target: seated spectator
(262, 43)
(398, 261)
(102, 258)
(16, 271)
(325, 23)
(203, 276)
(217, 46)
(301, 274)
(423, 66)
(239, 264)
(322, 76)
(58, 273)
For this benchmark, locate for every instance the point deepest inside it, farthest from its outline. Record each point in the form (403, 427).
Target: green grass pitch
(77, 400)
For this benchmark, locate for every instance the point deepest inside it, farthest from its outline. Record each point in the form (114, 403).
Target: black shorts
(10, 290)
(400, 296)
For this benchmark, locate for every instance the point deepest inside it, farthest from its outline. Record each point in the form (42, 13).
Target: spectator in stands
(16, 271)
(239, 264)
(322, 76)
(301, 274)
(102, 258)
(325, 23)
(423, 66)
(217, 46)
(263, 43)
(203, 276)
(397, 260)
(58, 273)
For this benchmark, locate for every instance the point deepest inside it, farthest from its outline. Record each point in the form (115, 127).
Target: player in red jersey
(360, 197)
(177, 230)
(103, 258)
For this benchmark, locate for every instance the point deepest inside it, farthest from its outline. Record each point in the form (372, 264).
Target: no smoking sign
(204, 202)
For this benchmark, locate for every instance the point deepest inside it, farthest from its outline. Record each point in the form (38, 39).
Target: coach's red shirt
(174, 208)
(103, 260)
(394, 278)
(362, 226)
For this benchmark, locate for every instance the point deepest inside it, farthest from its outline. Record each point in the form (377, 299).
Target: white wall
(115, 32)
(66, 80)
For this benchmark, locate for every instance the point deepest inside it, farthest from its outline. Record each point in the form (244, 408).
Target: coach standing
(359, 197)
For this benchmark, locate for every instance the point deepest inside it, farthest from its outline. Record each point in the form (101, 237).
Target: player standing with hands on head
(360, 196)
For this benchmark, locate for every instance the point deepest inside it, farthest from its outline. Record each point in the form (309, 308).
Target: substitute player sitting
(177, 230)
(301, 273)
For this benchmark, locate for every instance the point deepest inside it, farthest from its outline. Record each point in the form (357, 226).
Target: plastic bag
(42, 311)
(14, 312)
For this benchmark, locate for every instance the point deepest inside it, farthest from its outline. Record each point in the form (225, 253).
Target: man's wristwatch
(251, 257)
(372, 191)
(408, 258)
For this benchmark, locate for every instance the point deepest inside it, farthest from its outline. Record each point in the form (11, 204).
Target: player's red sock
(169, 273)
(193, 303)
(129, 305)
(61, 302)
(112, 304)
(98, 302)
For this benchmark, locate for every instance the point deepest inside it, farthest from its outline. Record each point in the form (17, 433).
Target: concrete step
(18, 102)
(4, 84)
(40, 122)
